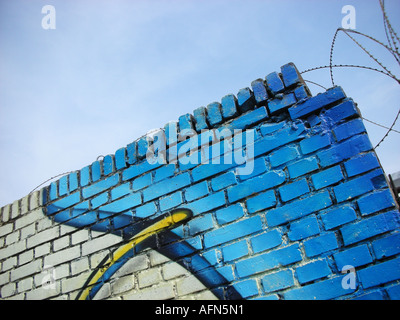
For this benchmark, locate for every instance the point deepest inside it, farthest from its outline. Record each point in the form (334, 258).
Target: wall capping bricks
(315, 202)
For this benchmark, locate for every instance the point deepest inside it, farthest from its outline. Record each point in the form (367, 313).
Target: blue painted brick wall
(316, 201)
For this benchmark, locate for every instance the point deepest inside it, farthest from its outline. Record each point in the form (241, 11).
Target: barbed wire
(59, 175)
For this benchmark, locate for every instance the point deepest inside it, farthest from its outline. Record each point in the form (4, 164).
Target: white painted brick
(100, 243)
(173, 270)
(157, 258)
(96, 258)
(44, 292)
(28, 218)
(24, 285)
(74, 283)
(137, 263)
(79, 266)
(20, 296)
(62, 256)
(51, 273)
(80, 236)
(13, 249)
(25, 257)
(34, 200)
(26, 270)
(188, 285)
(104, 292)
(28, 231)
(4, 277)
(43, 236)
(61, 243)
(44, 223)
(42, 250)
(149, 277)
(8, 290)
(24, 205)
(6, 213)
(15, 209)
(123, 284)
(162, 291)
(12, 237)
(9, 263)
(6, 229)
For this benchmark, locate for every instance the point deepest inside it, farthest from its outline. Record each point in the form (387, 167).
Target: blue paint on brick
(196, 191)
(53, 194)
(214, 115)
(290, 75)
(281, 103)
(269, 260)
(232, 231)
(342, 111)
(63, 186)
(159, 189)
(349, 129)
(246, 100)
(185, 122)
(85, 176)
(171, 201)
(361, 164)
(387, 247)
(132, 152)
(274, 83)
(266, 241)
(302, 93)
(200, 118)
(374, 295)
(223, 181)
(376, 201)
(120, 158)
(248, 120)
(259, 168)
(327, 177)
(146, 210)
(201, 224)
(259, 90)
(303, 228)
(338, 216)
(139, 169)
(371, 227)
(208, 203)
(235, 251)
(302, 167)
(108, 164)
(380, 273)
(100, 186)
(142, 146)
(298, 209)
(246, 288)
(322, 243)
(141, 182)
(312, 271)
(64, 203)
(229, 106)
(261, 201)
(316, 103)
(123, 204)
(278, 281)
(269, 128)
(164, 172)
(315, 143)
(394, 292)
(171, 132)
(294, 190)
(96, 171)
(356, 257)
(283, 155)
(73, 181)
(229, 214)
(120, 191)
(99, 200)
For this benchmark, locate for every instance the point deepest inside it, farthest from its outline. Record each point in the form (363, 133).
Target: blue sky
(113, 70)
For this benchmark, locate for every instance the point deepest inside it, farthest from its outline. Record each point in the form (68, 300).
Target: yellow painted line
(158, 226)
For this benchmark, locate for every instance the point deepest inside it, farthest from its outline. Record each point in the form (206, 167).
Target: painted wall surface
(269, 194)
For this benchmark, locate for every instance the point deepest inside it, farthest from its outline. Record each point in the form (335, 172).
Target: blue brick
(281, 103)
(387, 247)
(171, 201)
(303, 228)
(312, 271)
(139, 169)
(200, 118)
(266, 181)
(132, 152)
(274, 83)
(214, 115)
(141, 182)
(248, 120)
(100, 186)
(85, 176)
(302, 92)
(63, 186)
(283, 155)
(171, 132)
(223, 181)
(165, 171)
(232, 231)
(356, 257)
(207, 203)
(394, 292)
(96, 171)
(73, 181)
(290, 75)
(164, 187)
(269, 128)
(342, 111)
(266, 241)
(261, 201)
(201, 224)
(374, 295)
(120, 191)
(259, 90)
(269, 260)
(246, 100)
(123, 204)
(229, 214)
(349, 129)
(370, 227)
(53, 193)
(64, 203)
(298, 209)
(99, 200)
(120, 158)
(320, 244)
(294, 190)
(338, 216)
(361, 164)
(344, 150)
(302, 167)
(316, 103)
(259, 168)
(246, 288)
(323, 290)
(186, 122)
(108, 164)
(376, 201)
(327, 177)
(278, 281)
(235, 251)
(315, 143)
(356, 187)
(142, 146)
(229, 106)
(146, 210)
(196, 191)
(380, 273)
(313, 120)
